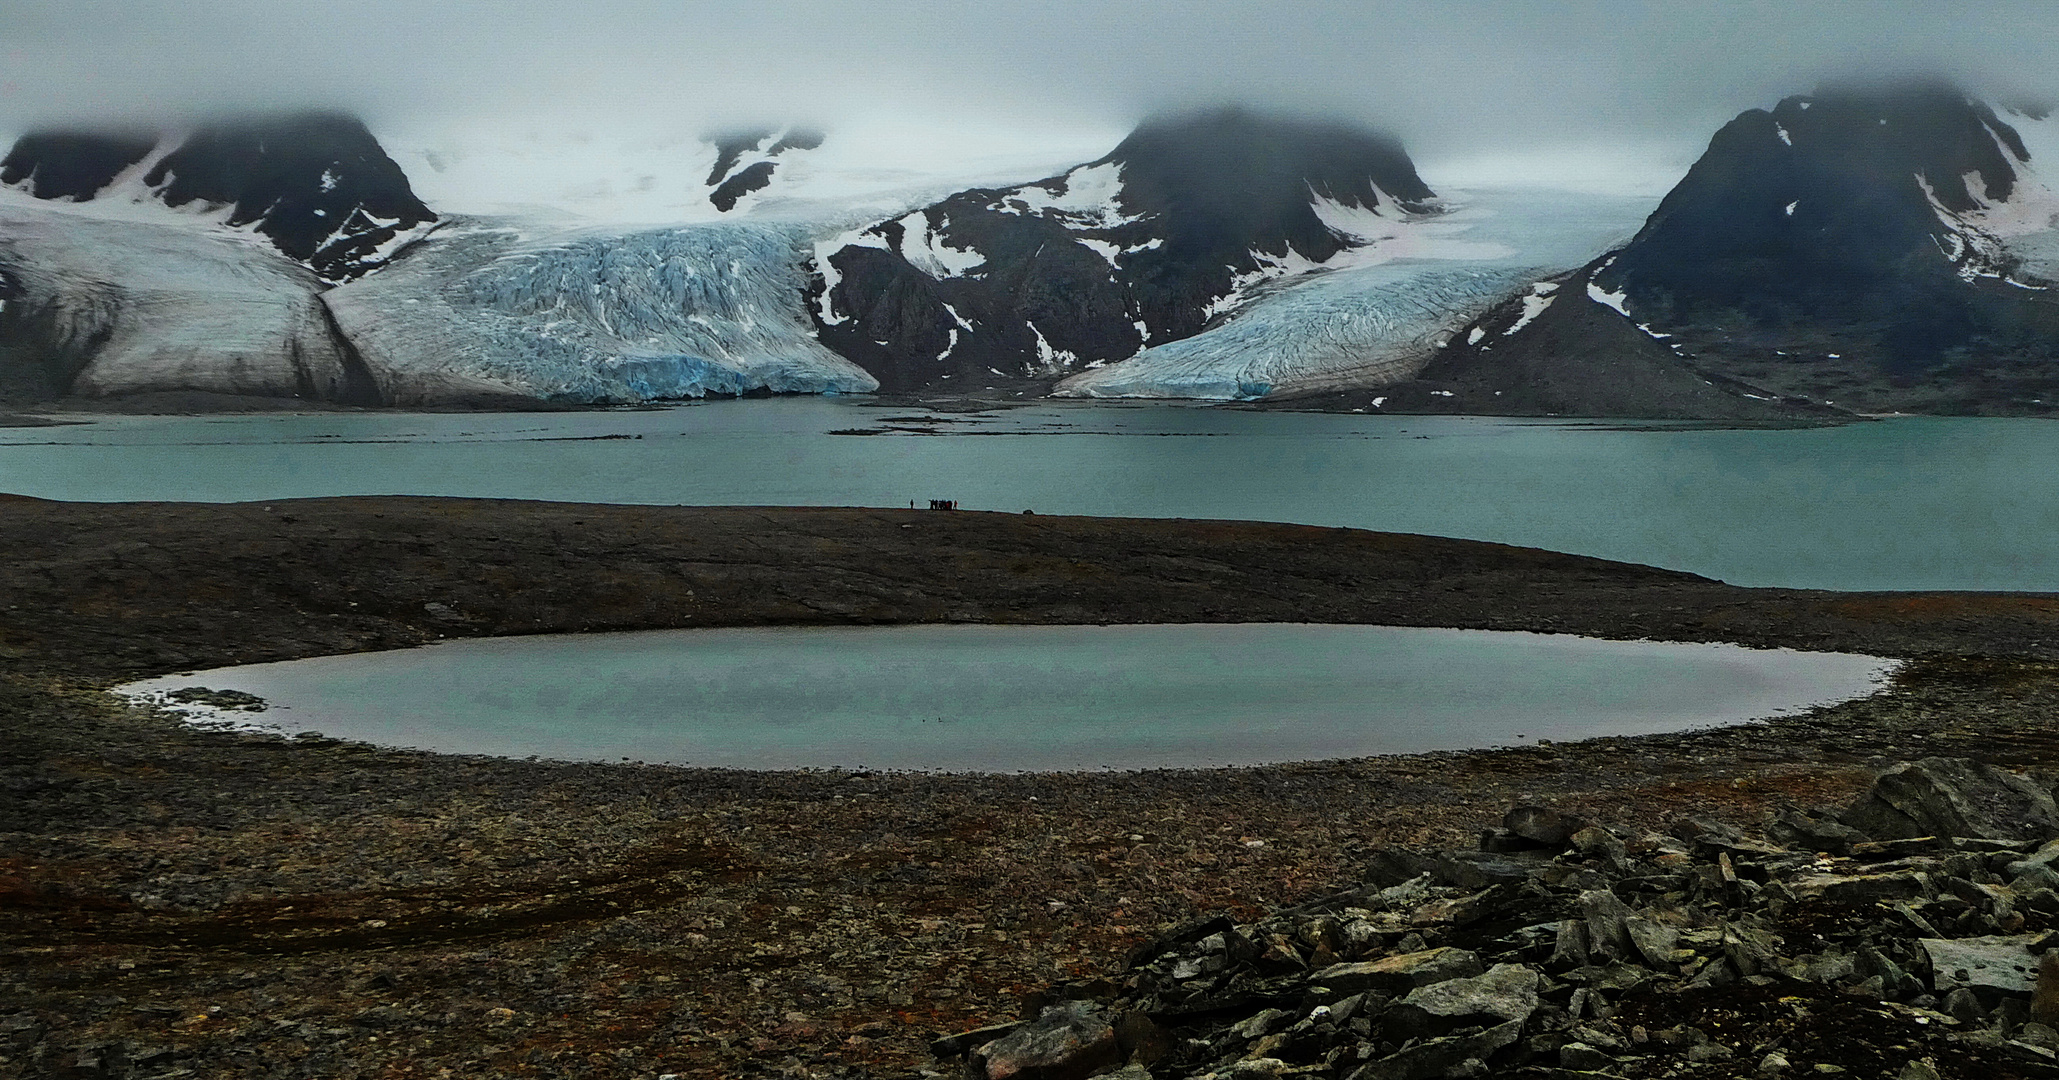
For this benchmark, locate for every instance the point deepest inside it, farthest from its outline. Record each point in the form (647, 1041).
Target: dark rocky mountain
(1032, 283)
(72, 165)
(1562, 347)
(732, 178)
(317, 184)
(1874, 247)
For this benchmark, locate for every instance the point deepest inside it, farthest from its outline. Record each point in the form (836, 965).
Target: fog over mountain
(1602, 94)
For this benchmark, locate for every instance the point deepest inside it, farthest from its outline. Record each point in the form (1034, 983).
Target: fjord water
(1006, 698)
(1908, 503)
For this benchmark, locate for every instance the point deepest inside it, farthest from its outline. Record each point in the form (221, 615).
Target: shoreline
(252, 699)
(65, 411)
(193, 898)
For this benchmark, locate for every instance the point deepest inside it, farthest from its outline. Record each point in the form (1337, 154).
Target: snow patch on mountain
(1620, 301)
(1535, 302)
(1086, 198)
(927, 250)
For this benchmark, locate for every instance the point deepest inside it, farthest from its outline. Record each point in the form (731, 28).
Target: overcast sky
(1597, 80)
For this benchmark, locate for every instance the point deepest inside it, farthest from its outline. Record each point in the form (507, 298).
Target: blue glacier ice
(486, 308)
(1374, 316)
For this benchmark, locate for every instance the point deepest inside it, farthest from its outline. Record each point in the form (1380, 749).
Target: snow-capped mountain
(1184, 218)
(1871, 249)
(316, 184)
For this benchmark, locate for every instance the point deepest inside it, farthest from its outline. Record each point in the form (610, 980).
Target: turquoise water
(1005, 698)
(1912, 503)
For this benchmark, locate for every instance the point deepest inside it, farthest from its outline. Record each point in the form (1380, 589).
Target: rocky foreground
(1908, 935)
(177, 902)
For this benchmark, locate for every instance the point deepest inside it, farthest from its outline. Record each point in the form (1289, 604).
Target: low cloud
(1488, 81)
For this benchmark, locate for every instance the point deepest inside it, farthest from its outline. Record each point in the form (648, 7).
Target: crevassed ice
(586, 318)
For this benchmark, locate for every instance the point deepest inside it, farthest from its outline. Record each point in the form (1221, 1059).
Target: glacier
(487, 308)
(1373, 315)
(121, 299)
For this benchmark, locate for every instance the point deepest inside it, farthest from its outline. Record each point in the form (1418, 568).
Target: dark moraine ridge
(183, 902)
(175, 586)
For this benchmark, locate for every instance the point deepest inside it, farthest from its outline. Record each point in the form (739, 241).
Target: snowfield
(574, 171)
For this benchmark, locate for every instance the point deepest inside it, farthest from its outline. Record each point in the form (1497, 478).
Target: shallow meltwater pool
(1022, 698)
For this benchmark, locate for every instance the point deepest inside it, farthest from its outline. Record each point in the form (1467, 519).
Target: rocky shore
(180, 902)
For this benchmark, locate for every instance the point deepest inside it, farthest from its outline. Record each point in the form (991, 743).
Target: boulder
(1995, 964)
(1954, 797)
(2039, 860)
(1071, 1041)
(1542, 826)
(1397, 975)
(1654, 941)
(1459, 869)
(1813, 832)
(1861, 888)
(1436, 1057)
(1505, 992)
(1581, 1057)
(1606, 917)
(2044, 997)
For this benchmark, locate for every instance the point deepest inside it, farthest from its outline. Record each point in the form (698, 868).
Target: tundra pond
(1023, 698)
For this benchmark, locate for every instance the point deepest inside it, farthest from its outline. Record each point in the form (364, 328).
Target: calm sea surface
(1896, 504)
(1006, 698)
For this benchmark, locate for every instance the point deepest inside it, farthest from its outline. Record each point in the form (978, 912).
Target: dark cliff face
(1826, 230)
(1818, 204)
(1029, 284)
(317, 184)
(1827, 256)
(72, 165)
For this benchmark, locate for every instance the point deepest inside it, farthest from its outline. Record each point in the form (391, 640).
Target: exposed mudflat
(177, 899)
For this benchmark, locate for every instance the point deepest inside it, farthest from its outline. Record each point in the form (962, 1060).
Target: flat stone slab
(1400, 974)
(1983, 963)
